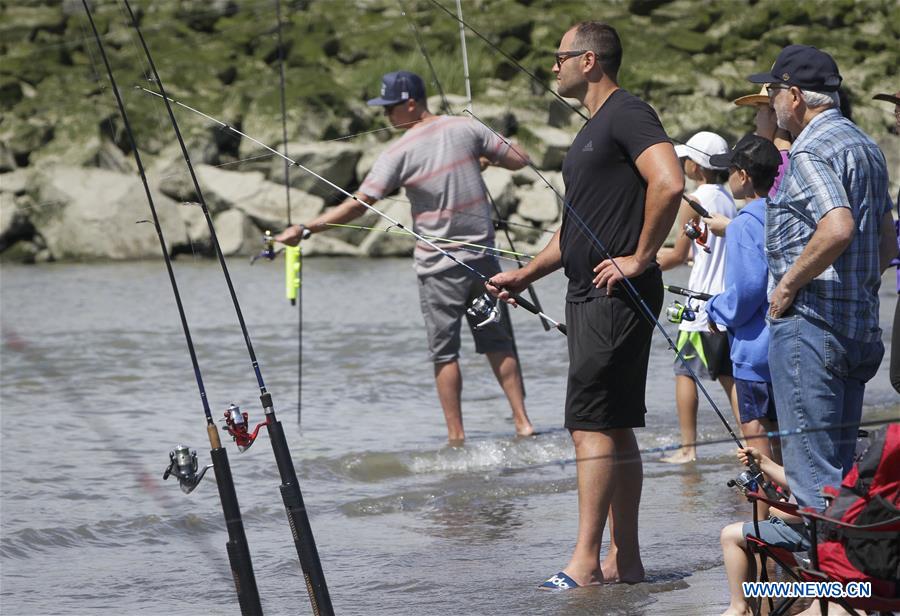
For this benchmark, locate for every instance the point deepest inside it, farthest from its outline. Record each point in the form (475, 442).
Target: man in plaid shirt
(829, 236)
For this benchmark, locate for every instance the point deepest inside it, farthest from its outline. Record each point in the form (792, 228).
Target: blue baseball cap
(803, 66)
(399, 86)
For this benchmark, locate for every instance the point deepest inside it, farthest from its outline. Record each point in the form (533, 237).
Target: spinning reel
(486, 310)
(677, 312)
(750, 481)
(184, 465)
(236, 425)
(698, 232)
(268, 252)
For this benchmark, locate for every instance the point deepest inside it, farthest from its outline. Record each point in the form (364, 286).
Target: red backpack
(868, 495)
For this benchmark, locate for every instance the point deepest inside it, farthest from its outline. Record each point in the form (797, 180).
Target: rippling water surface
(97, 387)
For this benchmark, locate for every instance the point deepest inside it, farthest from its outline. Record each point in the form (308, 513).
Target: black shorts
(707, 353)
(609, 349)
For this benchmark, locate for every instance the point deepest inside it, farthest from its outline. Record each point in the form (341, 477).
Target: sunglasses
(562, 56)
(772, 88)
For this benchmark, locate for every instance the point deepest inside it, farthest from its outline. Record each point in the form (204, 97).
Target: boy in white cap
(707, 352)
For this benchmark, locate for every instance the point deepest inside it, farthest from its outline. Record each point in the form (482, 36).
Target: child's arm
(770, 469)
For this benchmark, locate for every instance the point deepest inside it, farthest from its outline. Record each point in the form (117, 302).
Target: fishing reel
(183, 464)
(268, 252)
(698, 232)
(485, 310)
(746, 482)
(750, 481)
(677, 312)
(236, 425)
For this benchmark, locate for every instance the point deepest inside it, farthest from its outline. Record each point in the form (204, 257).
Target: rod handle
(696, 206)
(524, 303)
(671, 288)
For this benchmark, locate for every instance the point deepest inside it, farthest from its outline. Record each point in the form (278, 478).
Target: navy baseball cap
(803, 66)
(754, 154)
(399, 86)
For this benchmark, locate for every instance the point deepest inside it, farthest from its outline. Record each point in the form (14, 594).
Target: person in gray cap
(438, 161)
(829, 236)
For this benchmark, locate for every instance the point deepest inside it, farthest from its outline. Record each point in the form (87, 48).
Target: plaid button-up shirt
(832, 164)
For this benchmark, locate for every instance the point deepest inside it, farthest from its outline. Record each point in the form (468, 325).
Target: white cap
(701, 146)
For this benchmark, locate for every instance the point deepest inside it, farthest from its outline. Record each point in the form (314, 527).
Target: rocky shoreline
(69, 189)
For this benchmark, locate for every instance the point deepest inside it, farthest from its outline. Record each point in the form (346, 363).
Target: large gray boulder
(237, 234)
(94, 214)
(501, 187)
(222, 190)
(389, 241)
(538, 202)
(551, 145)
(334, 161)
(267, 208)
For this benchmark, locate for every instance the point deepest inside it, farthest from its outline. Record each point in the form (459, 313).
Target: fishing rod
(236, 421)
(183, 463)
(395, 223)
(532, 294)
(465, 55)
(511, 59)
(293, 255)
(633, 293)
(476, 248)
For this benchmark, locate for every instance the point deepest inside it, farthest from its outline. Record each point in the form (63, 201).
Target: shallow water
(97, 387)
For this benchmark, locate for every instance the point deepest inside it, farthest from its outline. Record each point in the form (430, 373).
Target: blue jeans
(819, 379)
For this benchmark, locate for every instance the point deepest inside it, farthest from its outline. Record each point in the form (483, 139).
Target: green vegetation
(689, 58)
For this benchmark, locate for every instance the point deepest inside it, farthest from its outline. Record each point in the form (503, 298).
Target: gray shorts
(777, 532)
(444, 298)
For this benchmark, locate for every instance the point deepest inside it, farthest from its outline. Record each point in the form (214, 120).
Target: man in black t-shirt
(623, 187)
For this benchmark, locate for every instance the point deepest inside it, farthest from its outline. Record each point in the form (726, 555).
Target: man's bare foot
(525, 429)
(614, 574)
(682, 456)
(584, 577)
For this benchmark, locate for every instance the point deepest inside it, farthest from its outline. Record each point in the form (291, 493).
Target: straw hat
(753, 99)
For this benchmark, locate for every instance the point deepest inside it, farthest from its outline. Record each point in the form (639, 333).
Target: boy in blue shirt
(742, 306)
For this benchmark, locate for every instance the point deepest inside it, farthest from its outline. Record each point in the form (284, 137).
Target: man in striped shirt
(829, 236)
(438, 161)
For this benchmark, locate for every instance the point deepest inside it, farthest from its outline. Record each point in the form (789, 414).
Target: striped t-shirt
(437, 163)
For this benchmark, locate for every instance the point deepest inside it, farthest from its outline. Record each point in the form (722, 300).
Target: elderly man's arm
(833, 235)
(888, 244)
(659, 167)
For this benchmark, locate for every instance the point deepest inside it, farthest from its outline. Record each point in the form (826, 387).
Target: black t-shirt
(605, 189)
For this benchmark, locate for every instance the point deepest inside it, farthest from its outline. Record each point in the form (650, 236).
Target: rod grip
(671, 288)
(696, 206)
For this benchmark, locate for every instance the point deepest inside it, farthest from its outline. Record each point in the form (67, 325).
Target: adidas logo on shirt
(588, 147)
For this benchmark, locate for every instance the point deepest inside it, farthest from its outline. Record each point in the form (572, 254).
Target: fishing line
(521, 301)
(293, 262)
(510, 58)
(238, 549)
(772, 435)
(478, 249)
(236, 422)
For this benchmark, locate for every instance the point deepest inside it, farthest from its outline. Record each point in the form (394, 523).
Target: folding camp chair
(801, 571)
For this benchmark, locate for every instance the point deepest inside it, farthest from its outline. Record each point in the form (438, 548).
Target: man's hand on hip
(608, 274)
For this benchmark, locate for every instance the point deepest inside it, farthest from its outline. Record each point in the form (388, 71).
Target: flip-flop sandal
(560, 581)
